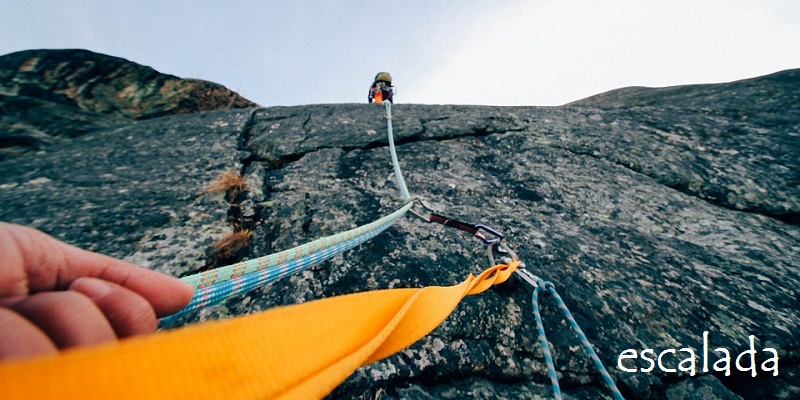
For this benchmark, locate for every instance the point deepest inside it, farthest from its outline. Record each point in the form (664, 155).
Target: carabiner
(497, 235)
(521, 271)
(479, 231)
(503, 248)
(418, 200)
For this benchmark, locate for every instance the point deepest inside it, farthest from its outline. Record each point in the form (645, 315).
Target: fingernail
(93, 288)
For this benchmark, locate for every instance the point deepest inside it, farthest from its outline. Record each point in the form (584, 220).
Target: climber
(381, 88)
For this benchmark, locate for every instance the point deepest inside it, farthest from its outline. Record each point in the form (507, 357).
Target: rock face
(50, 94)
(656, 222)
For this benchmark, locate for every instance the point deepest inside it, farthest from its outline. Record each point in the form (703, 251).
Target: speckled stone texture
(656, 222)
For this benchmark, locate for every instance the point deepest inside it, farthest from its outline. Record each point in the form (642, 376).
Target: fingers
(107, 298)
(165, 294)
(13, 278)
(35, 262)
(21, 338)
(91, 312)
(128, 313)
(67, 318)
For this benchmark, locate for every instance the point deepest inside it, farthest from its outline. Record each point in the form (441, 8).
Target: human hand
(55, 296)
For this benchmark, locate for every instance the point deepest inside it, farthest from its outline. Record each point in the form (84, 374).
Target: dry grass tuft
(229, 182)
(232, 245)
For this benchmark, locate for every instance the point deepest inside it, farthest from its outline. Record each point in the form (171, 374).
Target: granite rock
(47, 95)
(654, 223)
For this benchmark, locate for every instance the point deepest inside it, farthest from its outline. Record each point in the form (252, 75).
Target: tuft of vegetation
(231, 246)
(229, 182)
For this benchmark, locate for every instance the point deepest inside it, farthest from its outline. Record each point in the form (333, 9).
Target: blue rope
(548, 357)
(541, 284)
(221, 291)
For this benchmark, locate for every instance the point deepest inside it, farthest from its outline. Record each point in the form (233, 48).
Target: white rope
(397, 172)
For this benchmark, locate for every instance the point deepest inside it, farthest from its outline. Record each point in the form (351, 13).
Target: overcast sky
(500, 52)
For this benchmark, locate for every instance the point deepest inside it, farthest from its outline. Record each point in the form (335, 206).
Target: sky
(500, 52)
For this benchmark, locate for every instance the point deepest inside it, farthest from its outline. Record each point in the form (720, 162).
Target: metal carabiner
(521, 271)
(503, 248)
(477, 230)
(497, 235)
(481, 232)
(418, 200)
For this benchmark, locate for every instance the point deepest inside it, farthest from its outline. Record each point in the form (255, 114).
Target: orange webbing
(295, 352)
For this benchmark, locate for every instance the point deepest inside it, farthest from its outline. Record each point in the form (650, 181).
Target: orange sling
(296, 352)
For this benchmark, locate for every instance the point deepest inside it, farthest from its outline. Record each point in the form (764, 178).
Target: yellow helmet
(383, 77)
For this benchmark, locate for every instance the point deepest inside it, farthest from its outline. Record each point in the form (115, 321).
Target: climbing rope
(219, 284)
(550, 288)
(492, 238)
(396, 164)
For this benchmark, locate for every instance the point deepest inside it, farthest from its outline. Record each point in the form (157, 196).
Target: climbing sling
(294, 352)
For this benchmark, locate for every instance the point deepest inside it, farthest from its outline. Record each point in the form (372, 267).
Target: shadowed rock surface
(655, 222)
(50, 94)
